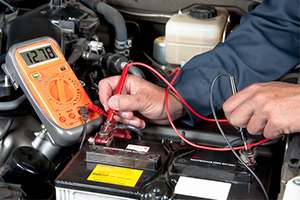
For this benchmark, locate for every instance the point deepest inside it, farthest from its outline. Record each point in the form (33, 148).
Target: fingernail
(113, 103)
(125, 115)
(134, 123)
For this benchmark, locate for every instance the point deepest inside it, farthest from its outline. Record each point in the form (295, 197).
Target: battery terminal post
(248, 156)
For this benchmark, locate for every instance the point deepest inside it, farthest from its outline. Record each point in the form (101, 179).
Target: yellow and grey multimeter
(40, 69)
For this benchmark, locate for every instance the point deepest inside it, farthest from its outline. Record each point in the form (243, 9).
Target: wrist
(176, 108)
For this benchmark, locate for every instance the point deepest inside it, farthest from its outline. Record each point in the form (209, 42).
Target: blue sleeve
(264, 47)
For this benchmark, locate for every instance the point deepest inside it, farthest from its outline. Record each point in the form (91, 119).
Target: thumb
(113, 102)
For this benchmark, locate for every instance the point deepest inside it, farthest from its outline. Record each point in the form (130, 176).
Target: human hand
(271, 109)
(140, 101)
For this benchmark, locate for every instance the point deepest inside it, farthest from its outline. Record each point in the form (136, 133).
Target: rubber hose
(94, 57)
(11, 105)
(136, 71)
(87, 10)
(112, 16)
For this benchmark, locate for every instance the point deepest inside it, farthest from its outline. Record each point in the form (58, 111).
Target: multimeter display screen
(37, 55)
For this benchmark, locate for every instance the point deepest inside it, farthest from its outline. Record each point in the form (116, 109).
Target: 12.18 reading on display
(37, 55)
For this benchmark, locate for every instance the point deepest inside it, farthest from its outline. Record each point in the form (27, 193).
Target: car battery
(219, 175)
(110, 172)
(136, 169)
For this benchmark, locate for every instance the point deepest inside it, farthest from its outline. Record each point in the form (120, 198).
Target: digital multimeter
(40, 69)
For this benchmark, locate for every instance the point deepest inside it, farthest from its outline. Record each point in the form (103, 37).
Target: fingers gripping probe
(111, 113)
(240, 129)
(107, 128)
(105, 135)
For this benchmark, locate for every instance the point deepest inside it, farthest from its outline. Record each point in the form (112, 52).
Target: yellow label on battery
(115, 175)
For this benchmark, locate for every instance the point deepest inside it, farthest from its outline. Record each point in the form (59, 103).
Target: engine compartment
(97, 38)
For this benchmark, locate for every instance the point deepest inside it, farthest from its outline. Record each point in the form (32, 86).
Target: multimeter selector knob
(61, 90)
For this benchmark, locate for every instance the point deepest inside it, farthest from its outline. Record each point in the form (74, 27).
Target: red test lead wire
(94, 108)
(174, 90)
(191, 143)
(111, 112)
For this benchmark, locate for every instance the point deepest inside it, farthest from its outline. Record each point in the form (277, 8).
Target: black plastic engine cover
(25, 28)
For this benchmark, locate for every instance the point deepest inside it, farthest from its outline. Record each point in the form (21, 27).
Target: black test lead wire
(226, 139)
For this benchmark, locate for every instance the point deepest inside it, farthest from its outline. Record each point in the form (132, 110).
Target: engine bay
(98, 39)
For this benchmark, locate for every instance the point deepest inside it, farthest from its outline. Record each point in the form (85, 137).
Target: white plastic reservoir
(194, 32)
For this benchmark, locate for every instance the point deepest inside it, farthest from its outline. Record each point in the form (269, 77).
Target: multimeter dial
(62, 89)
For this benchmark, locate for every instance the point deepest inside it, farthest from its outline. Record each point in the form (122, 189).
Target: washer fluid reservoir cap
(203, 12)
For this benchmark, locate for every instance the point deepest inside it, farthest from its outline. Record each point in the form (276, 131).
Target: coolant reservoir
(194, 32)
